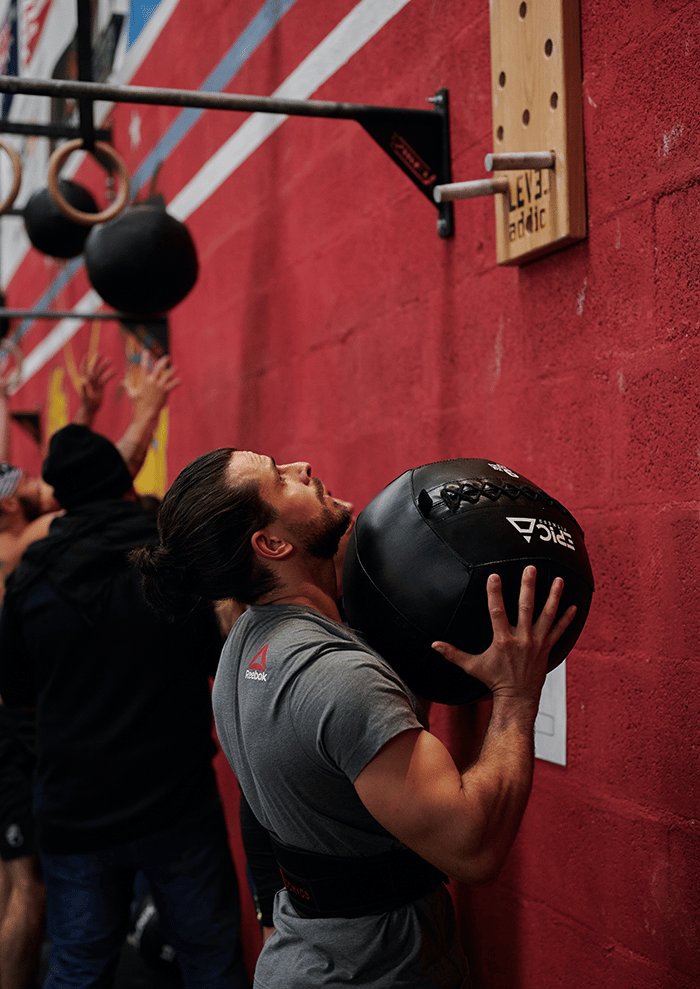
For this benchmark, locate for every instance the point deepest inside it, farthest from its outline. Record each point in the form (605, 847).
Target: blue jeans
(193, 884)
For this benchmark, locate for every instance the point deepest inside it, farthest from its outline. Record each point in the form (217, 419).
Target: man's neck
(316, 588)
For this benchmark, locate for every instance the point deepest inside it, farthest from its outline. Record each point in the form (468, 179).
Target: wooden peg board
(538, 106)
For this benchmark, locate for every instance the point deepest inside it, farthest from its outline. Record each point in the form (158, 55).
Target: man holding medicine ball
(367, 811)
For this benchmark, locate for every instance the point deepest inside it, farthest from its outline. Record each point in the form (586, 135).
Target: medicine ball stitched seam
(382, 595)
(512, 491)
(456, 492)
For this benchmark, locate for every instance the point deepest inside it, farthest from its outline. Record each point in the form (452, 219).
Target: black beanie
(82, 466)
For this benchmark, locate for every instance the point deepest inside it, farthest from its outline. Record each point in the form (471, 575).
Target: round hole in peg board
(554, 100)
(523, 11)
(499, 133)
(548, 47)
(502, 80)
(526, 118)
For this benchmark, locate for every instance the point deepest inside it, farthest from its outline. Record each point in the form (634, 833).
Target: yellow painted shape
(152, 479)
(56, 403)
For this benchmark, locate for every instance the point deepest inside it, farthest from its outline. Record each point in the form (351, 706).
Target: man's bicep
(413, 789)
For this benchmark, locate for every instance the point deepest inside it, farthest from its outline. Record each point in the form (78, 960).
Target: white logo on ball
(505, 470)
(546, 531)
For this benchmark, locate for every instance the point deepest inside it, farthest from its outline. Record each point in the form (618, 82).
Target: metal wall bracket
(419, 145)
(418, 141)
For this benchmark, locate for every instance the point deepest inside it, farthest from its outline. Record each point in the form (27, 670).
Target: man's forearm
(497, 787)
(135, 442)
(462, 821)
(85, 416)
(148, 396)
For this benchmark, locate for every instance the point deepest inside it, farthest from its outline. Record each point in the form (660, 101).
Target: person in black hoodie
(124, 780)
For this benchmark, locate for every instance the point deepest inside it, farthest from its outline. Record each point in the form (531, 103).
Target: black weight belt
(333, 886)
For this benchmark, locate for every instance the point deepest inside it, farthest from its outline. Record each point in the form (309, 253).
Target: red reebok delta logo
(256, 670)
(260, 660)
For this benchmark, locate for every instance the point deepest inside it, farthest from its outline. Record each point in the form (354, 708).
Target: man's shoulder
(37, 529)
(84, 548)
(12, 543)
(304, 647)
(298, 624)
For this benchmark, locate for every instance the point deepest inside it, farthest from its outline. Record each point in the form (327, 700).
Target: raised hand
(95, 372)
(515, 664)
(150, 389)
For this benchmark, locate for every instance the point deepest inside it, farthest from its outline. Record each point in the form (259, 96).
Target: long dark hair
(205, 523)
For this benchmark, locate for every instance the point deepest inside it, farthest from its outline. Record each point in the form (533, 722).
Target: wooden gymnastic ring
(57, 160)
(7, 203)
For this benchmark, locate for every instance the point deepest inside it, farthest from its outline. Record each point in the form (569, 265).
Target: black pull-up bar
(416, 140)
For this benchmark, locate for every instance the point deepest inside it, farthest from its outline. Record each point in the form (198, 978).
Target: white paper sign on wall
(550, 726)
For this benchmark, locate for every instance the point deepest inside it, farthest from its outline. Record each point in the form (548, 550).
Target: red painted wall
(330, 323)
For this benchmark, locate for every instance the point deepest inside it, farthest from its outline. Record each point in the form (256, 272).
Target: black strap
(334, 886)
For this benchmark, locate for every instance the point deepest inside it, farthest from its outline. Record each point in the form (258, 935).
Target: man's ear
(269, 546)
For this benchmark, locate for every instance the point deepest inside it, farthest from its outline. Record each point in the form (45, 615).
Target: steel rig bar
(56, 314)
(50, 130)
(416, 140)
(151, 331)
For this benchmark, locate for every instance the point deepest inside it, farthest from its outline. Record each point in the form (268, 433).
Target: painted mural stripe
(54, 289)
(60, 334)
(337, 48)
(135, 56)
(251, 37)
(216, 82)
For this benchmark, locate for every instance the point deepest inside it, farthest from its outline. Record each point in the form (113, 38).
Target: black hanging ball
(420, 555)
(143, 262)
(48, 229)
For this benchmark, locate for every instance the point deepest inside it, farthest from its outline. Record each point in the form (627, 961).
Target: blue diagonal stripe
(238, 54)
(244, 46)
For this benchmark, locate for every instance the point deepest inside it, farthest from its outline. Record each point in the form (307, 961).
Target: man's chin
(323, 541)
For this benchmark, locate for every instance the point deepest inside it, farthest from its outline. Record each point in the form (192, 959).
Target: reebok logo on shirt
(256, 670)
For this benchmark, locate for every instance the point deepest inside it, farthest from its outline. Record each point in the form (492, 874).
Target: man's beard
(321, 538)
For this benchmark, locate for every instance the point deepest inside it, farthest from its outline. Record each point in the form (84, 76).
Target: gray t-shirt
(301, 706)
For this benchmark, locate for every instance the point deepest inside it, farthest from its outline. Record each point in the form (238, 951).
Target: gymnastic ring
(87, 219)
(7, 203)
(8, 347)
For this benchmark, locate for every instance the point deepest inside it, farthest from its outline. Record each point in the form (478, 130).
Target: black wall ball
(143, 262)
(48, 229)
(420, 555)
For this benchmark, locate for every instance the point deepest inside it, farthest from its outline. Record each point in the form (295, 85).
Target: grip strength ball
(421, 552)
(143, 262)
(48, 229)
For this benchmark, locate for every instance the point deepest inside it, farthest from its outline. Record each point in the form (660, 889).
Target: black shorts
(17, 761)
